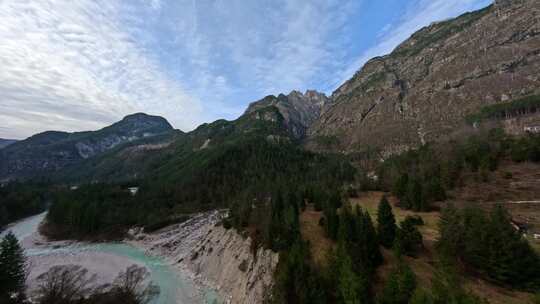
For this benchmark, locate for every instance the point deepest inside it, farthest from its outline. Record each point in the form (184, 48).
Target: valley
(417, 181)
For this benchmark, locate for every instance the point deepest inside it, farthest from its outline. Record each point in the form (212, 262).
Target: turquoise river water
(170, 280)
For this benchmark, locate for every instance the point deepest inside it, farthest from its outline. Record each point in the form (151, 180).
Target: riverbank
(214, 257)
(105, 261)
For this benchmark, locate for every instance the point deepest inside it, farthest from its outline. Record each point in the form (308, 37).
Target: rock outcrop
(298, 110)
(422, 91)
(48, 152)
(216, 257)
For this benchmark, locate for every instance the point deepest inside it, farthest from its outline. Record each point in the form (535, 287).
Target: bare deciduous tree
(64, 284)
(130, 286)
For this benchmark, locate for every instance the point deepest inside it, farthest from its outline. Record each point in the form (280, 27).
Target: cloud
(237, 51)
(419, 14)
(80, 65)
(70, 65)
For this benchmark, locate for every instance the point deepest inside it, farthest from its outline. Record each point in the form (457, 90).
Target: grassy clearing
(314, 233)
(424, 265)
(511, 183)
(370, 201)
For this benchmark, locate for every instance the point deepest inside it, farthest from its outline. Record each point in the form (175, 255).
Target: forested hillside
(417, 183)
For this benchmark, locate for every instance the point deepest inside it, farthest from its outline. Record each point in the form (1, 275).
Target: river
(106, 260)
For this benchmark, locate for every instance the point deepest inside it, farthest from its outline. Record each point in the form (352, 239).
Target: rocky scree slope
(214, 256)
(48, 152)
(422, 91)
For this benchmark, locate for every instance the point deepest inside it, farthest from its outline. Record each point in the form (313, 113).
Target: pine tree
(351, 287)
(371, 244)
(386, 229)
(349, 284)
(332, 222)
(400, 187)
(12, 268)
(400, 286)
(415, 198)
(408, 239)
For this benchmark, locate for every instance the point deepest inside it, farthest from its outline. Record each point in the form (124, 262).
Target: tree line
(253, 177)
(422, 176)
(19, 200)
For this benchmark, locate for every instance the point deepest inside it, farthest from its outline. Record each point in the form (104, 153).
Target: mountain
(6, 142)
(428, 85)
(299, 110)
(50, 151)
(281, 119)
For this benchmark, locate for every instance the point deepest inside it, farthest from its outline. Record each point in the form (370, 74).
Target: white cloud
(79, 65)
(68, 65)
(259, 47)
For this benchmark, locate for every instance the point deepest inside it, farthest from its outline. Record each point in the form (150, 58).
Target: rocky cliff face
(50, 151)
(423, 90)
(298, 110)
(216, 257)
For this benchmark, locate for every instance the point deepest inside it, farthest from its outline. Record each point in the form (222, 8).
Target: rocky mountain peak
(299, 110)
(423, 90)
(50, 151)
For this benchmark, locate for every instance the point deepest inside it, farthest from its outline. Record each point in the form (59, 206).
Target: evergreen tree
(352, 287)
(12, 269)
(400, 187)
(415, 197)
(408, 239)
(371, 246)
(420, 296)
(400, 286)
(386, 228)
(349, 283)
(447, 287)
(331, 222)
(490, 245)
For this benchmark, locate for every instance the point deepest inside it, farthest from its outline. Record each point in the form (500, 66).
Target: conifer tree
(386, 228)
(400, 286)
(415, 199)
(12, 269)
(371, 246)
(408, 239)
(351, 287)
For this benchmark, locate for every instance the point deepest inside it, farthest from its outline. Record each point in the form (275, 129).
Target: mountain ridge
(4, 142)
(298, 109)
(423, 89)
(47, 152)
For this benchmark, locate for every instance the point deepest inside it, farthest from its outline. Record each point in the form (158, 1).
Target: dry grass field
(369, 201)
(516, 186)
(316, 235)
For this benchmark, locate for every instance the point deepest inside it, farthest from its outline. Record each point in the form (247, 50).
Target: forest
(526, 105)
(253, 172)
(266, 187)
(19, 200)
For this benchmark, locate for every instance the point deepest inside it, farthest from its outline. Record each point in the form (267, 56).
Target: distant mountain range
(6, 142)
(51, 151)
(133, 146)
(421, 92)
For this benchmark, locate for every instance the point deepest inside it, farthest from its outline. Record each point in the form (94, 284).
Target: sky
(82, 65)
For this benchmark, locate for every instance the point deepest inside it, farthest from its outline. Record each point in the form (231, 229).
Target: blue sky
(81, 65)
